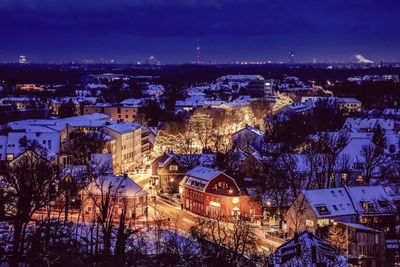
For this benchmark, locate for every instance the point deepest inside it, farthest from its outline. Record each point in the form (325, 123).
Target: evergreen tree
(378, 137)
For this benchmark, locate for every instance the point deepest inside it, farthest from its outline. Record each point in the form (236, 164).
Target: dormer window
(383, 203)
(323, 210)
(367, 206)
(333, 193)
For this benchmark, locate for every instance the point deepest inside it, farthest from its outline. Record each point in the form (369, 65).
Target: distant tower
(22, 59)
(291, 57)
(198, 61)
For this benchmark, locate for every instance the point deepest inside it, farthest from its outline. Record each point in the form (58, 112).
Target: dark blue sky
(129, 30)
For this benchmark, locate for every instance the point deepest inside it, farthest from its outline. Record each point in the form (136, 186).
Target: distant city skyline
(170, 30)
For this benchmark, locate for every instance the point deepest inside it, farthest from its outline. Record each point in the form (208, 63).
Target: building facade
(125, 196)
(212, 193)
(117, 112)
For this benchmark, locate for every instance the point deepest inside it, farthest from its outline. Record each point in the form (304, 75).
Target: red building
(211, 192)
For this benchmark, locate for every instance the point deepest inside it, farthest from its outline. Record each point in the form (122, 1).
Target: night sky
(228, 30)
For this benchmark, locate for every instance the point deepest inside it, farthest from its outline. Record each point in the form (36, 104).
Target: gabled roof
(354, 147)
(121, 186)
(330, 202)
(251, 129)
(358, 124)
(199, 177)
(206, 160)
(203, 173)
(373, 194)
(298, 252)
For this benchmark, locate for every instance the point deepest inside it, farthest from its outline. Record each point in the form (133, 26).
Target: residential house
(372, 206)
(124, 195)
(364, 246)
(306, 249)
(249, 136)
(210, 192)
(317, 208)
(169, 169)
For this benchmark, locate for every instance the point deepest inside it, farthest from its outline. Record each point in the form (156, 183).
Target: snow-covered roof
(330, 202)
(134, 102)
(203, 173)
(102, 162)
(288, 254)
(251, 129)
(354, 148)
(302, 163)
(199, 177)
(154, 89)
(77, 172)
(123, 127)
(349, 100)
(94, 119)
(121, 186)
(359, 226)
(95, 86)
(367, 124)
(311, 101)
(76, 100)
(391, 112)
(18, 99)
(378, 199)
(49, 141)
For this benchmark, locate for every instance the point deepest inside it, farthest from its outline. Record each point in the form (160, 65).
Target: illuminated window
(235, 200)
(323, 210)
(323, 222)
(309, 223)
(367, 206)
(360, 179)
(173, 167)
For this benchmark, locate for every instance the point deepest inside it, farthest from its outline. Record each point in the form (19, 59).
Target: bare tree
(82, 144)
(373, 158)
(73, 179)
(29, 184)
(344, 167)
(200, 127)
(228, 160)
(103, 193)
(261, 108)
(322, 152)
(318, 166)
(224, 242)
(287, 164)
(330, 146)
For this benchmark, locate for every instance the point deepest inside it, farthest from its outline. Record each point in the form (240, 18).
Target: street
(182, 219)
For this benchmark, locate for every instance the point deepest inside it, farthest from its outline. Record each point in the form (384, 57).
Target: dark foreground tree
(29, 182)
(83, 144)
(223, 242)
